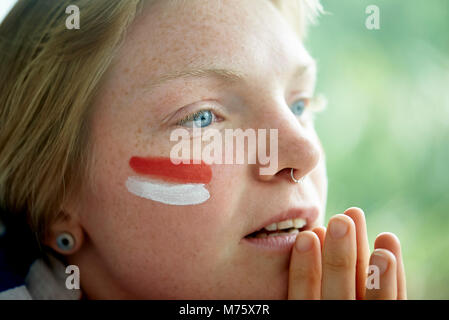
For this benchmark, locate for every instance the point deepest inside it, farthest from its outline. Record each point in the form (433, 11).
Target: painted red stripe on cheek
(164, 168)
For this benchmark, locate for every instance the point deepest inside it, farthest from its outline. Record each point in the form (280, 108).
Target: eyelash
(192, 116)
(314, 104)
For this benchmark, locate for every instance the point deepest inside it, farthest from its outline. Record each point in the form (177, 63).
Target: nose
(298, 146)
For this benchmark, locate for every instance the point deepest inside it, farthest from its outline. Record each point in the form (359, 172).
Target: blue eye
(299, 106)
(203, 119)
(199, 119)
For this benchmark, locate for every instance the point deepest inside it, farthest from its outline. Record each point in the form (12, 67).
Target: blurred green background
(386, 126)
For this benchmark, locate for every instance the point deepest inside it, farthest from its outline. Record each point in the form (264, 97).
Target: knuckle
(302, 273)
(337, 262)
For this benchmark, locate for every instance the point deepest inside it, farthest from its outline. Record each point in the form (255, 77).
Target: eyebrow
(227, 75)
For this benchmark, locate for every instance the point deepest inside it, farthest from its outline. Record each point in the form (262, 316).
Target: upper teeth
(286, 224)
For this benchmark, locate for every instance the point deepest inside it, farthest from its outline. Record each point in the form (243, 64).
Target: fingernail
(338, 228)
(303, 242)
(380, 261)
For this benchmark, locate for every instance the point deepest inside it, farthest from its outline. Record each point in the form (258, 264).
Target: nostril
(291, 174)
(284, 172)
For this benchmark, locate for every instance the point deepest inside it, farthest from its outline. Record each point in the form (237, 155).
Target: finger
(339, 259)
(357, 215)
(304, 280)
(321, 233)
(390, 242)
(382, 283)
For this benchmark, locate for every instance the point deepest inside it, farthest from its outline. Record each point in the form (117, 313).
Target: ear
(65, 224)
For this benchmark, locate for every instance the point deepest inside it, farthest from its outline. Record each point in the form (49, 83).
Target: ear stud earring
(65, 241)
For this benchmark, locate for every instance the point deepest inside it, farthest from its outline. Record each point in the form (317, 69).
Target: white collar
(44, 281)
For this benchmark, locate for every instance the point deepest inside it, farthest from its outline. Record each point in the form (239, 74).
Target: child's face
(141, 248)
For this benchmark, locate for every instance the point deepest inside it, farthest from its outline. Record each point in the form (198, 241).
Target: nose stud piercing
(65, 241)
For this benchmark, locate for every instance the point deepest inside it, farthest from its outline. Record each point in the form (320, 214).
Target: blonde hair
(49, 77)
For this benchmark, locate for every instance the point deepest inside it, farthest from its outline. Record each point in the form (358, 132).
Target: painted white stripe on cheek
(179, 194)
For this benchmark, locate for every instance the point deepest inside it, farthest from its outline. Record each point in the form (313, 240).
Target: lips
(309, 214)
(289, 226)
(279, 232)
(278, 243)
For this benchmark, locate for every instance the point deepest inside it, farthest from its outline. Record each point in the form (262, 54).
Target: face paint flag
(163, 181)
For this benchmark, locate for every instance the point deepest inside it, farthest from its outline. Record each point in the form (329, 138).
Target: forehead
(248, 35)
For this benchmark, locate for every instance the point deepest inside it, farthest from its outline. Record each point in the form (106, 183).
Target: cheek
(138, 235)
(120, 209)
